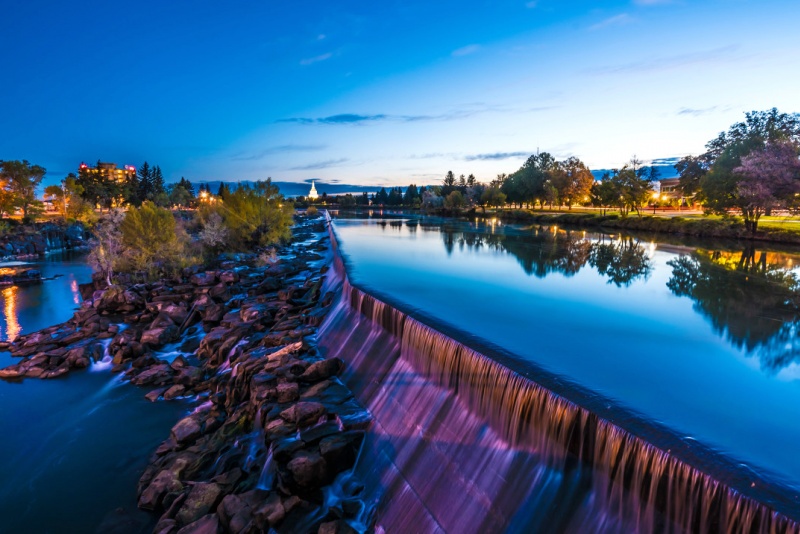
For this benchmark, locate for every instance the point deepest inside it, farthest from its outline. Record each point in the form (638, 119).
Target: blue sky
(383, 93)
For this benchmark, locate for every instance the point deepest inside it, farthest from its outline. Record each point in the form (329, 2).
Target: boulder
(160, 335)
(203, 499)
(175, 391)
(187, 430)
(308, 469)
(322, 370)
(303, 413)
(208, 524)
(166, 481)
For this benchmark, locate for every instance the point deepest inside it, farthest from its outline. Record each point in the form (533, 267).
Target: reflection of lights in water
(10, 310)
(652, 250)
(76, 292)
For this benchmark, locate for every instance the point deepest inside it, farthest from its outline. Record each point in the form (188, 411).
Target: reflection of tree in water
(754, 302)
(548, 250)
(622, 261)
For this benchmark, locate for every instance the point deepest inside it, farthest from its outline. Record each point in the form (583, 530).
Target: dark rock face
(28, 242)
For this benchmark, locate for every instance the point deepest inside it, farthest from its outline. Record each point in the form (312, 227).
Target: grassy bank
(699, 226)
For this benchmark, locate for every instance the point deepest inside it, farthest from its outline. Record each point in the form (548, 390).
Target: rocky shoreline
(32, 242)
(274, 435)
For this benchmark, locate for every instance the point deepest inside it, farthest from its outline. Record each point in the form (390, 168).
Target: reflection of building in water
(76, 292)
(10, 311)
(312, 195)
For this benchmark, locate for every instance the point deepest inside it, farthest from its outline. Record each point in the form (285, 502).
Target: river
(73, 448)
(699, 338)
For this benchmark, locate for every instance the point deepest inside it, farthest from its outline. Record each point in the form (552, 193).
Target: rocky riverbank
(32, 241)
(274, 434)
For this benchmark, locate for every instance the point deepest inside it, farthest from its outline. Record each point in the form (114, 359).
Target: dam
(478, 429)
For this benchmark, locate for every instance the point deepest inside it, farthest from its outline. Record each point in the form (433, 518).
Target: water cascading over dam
(462, 442)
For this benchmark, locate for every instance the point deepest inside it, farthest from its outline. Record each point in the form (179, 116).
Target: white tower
(312, 195)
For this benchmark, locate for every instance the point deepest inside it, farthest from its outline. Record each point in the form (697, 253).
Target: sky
(384, 93)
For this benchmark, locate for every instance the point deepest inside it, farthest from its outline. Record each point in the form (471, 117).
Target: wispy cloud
(696, 112)
(465, 50)
(321, 165)
(617, 20)
(261, 154)
(358, 118)
(532, 4)
(316, 59)
(670, 62)
(494, 156)
(651, 2)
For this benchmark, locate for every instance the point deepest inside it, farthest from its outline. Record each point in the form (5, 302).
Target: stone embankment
(274, 436)
(30, 242)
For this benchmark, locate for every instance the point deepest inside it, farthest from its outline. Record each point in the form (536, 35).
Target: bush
(253, 216)
(153, 243)
(312, 211)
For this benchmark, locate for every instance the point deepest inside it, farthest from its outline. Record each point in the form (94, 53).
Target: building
(671, 193)
(312, 195)
(110, 171)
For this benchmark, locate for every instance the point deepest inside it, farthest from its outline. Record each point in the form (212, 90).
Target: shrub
(312, 211)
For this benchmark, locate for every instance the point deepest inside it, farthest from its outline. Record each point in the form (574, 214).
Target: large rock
(322, 370)
(160, 335)
(166, 481)
(303, 413)
(187, 430)
(202, 499)
(309, 470)
(208, 524)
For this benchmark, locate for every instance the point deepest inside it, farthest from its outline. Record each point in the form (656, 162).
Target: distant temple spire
(312, 195)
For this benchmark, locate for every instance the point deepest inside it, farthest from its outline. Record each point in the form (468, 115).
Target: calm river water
(72, 449)
(701, 339)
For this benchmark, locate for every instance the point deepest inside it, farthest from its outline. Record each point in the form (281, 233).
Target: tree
(572, 179)
(214, 234)
(493, 196)
(254, 216)
(179, 195)
(633, 190)
(454, 200)
(720, 185)
(381, 197)
(20, 179)
(411, 195)
(157, 182)
(691, 170)
(604, 194)
(145, 184)
(448, 183)
(107, 245)
(150, 239)
(770, 178)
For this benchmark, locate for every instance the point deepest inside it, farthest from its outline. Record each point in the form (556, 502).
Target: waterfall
(463, 442)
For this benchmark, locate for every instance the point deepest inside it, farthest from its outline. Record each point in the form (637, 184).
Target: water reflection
(750, 297)
(622, 261)
(10, 297)
(543, 250)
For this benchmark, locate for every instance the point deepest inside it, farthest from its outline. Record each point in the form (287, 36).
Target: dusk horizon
(386, 96)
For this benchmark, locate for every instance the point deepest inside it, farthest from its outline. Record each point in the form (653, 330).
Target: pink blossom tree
(770, 179)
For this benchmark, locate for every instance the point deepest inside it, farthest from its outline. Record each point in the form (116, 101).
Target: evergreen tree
(223, 191)
(157, 180)
(145, 183)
